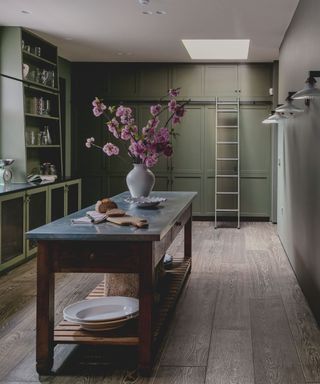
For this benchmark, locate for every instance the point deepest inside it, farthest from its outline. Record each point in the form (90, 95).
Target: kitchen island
(108, 248)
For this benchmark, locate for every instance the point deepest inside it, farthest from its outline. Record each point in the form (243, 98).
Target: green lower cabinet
(36, 214)
(23, 211)
(12, 229)
(255, 196)
(190, 183)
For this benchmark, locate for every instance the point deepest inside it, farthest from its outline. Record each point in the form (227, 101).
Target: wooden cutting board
(129, 220)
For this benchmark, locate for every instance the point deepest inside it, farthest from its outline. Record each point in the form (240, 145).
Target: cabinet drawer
(98, 258)
(180, 222)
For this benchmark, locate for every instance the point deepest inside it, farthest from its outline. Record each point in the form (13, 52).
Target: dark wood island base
(101, 255)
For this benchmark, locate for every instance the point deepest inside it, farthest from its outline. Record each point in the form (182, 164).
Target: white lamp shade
(289, 107)
(273, 119)
(310, 91)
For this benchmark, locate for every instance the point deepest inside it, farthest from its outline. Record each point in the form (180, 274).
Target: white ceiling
(116, 30)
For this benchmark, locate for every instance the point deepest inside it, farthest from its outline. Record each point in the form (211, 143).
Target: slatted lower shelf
(171, 285)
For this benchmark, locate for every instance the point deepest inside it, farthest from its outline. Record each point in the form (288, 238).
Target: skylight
(224, 49)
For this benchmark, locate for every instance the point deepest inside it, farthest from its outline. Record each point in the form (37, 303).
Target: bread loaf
(105, 205)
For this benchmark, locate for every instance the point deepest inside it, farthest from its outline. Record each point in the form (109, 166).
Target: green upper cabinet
(189, 78)
(123, 81)
(220, 81)
(188, 154)
(255, 141)
(255, 80)
(11, 57)
(154, 81)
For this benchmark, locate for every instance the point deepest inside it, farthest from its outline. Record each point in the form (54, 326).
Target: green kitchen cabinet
(60, 199)
(221, 81)
(36, 214)
(123, 81)
(12, 229)
(154, 81)
(189, 78)
(188, 154)
(255, 81)
(255, 140)
(255, 196)
(190, 183)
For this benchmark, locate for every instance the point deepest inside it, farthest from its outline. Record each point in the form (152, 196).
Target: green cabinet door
(36, 214)
(189, 78)
(188, 145)
(57, 202)
(73, 191)
(12, 229)
(255, 80)
(154, 81)
(192, 184)
(255, 161)
(123, 81)
(220, 81)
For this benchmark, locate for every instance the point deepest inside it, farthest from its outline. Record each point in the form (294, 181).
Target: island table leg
(45, 310)
(146, 292)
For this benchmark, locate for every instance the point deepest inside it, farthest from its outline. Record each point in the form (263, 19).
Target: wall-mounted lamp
(274, 118)
(288, 108)
(310, 90)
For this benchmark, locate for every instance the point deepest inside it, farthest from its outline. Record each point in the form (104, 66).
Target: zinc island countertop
(160, 219)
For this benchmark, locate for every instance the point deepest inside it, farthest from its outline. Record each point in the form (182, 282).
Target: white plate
(145, 202)
(101, 323)
(102, 309)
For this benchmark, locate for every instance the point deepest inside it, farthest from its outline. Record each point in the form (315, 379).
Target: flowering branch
(146, 146)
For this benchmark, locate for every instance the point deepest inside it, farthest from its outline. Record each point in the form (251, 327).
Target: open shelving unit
(29, 74)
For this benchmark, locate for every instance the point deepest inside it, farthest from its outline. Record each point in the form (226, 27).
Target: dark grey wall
(299, 222)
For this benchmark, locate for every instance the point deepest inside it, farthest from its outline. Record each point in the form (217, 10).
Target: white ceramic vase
(140, 181)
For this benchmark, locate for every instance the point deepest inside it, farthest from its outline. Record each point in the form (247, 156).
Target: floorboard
(230, 359)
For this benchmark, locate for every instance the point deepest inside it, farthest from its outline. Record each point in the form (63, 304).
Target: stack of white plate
(102, 314)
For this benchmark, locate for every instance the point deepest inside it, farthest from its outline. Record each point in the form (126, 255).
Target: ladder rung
(227, 175)
(227, 210)
(227, 126)
(227, 102)
(227, 193)
(227, 110)
(228, 158)
(227, 142)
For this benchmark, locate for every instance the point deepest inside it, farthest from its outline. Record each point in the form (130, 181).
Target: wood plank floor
(242, 319)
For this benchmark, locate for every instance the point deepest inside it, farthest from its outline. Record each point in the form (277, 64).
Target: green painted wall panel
(189, 78)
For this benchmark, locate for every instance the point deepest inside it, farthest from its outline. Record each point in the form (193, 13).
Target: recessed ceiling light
(26, 12)
(222, 49)
(147, 12)
(161, 12)
(120, 53)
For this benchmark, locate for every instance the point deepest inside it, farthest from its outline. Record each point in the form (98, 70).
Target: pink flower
(180, 111)
(155, 109)
(172, 105)
(137, 148)
(125, 133)
(113, 126)
(174, 92)
(89, 142)
(153, 123)
(110, 149)
(151, 161)
(98, 107)
(176, 120)
(163, 135)
(168, 150)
